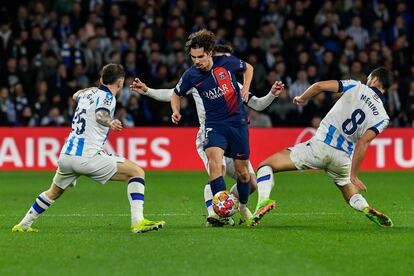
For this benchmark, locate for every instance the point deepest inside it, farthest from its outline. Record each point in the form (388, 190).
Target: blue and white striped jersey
(88, 136)
(360, 108)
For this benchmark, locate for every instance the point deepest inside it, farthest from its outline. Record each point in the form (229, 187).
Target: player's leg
(352, 196)
(217, 184)
(230, 170)
(278, 162)
(239, 150)
(135, 176)
(243, 186)
(214, 148)
(299, 157)
(213, 220)
(339, 170)
(208, 194)
(64, 177)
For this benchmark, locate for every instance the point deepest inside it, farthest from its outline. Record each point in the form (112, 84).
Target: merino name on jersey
(371, 104)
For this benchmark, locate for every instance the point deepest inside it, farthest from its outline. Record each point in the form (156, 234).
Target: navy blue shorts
(234, 140)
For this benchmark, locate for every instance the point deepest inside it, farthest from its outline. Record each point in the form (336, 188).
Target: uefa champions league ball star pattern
(225, 204)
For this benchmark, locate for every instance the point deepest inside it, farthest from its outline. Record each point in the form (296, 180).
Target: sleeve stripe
(380, 123)
(102, 108)
(177, 92)
(374, 129)
(340, 87)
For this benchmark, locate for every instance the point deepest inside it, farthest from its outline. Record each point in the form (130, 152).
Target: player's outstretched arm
(104, 118)
(175, 106)
(359, 154)
(261, 103)
(330, 85)
(162, 95)
(247, 79)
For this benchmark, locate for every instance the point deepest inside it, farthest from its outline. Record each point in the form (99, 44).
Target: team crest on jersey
(222, 75)
(376, 97)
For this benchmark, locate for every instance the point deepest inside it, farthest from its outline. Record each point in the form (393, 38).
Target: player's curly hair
(201, 39)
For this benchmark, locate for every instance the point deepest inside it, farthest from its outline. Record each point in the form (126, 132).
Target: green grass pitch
(311, 231)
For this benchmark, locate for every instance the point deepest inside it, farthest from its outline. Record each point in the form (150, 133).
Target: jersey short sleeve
(105, 101)
(345, 85)
(184, 85)
(379, 127)
(234, 64)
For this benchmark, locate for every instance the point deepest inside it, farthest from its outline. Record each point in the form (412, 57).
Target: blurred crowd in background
(49, 49)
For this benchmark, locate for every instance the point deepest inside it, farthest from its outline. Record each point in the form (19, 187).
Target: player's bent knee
(243, 175)
(54, 192)
(137, 172)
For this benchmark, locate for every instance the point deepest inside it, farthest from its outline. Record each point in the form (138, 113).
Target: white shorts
(315, 154)
(100, 168)
(227, 162)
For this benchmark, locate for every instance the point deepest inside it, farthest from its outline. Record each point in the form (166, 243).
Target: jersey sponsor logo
(216, 92)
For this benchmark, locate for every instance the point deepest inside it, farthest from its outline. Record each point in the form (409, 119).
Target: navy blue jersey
(218, 90)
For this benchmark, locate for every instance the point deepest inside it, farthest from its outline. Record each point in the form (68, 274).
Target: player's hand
(277, 88)
(116, 125)
(298, 100)
(175, 117)
(138, 86)
(244, 92)
(357, 182)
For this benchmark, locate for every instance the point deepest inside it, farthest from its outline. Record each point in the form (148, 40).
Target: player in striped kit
(83, 154)
(340, 142)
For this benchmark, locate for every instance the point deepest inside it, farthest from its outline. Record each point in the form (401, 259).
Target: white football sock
(265, 182)
(208, 197)
(358, 202)
(136, 190)
(234, 190)
(41, 204)
(244, 212)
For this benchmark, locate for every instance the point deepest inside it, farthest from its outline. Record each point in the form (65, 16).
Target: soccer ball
(225, 204)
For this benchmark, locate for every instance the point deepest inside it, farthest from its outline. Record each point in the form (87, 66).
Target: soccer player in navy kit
(226, 117)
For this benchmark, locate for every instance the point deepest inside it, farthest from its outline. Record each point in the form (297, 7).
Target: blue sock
(244, 191)
(217, 185)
